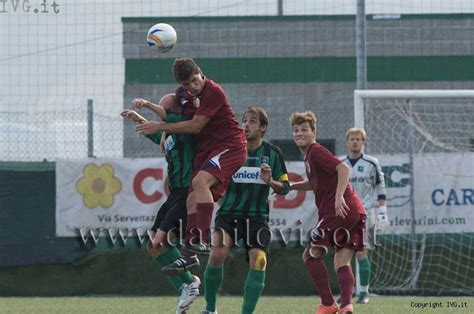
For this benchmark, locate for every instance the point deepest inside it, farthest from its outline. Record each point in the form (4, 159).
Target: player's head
(169, 102)
(189, 75)
(304, 128)
(355, 140)
(255, 122)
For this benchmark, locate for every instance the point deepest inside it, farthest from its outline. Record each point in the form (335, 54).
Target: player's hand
(133, 115)
(382, 221)
(341, 207)
(266, 173)
(149, 127)
(139, 103)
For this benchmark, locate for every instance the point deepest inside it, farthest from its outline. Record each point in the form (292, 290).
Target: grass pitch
(226, 304)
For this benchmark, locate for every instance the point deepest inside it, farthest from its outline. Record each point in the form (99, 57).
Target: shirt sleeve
(324, 159)
(211, 102)
(380, 182)
(155, 138)
(279, 171)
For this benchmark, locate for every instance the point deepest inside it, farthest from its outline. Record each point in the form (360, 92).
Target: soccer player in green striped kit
(244, 213)
(180, 150)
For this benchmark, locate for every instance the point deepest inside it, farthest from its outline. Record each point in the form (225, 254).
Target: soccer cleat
(348, 309)
(208, 312)
(189, 293)
(199, 248)
(324, 309)
(181, 265)
(363, 298)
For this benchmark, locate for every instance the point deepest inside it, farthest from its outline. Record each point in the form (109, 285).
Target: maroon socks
(204, 218)
(319, 273)
(346, 282)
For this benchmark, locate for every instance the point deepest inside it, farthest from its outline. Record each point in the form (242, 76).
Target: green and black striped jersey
(247, 194)
(179, 153)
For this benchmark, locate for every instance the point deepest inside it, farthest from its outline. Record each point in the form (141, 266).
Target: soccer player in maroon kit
(222, 149)
(341, 216)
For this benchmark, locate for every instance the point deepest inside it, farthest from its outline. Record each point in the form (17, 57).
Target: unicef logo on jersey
(248, 175)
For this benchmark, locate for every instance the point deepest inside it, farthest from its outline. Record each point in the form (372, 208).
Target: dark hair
(261, 113)
(183, 68)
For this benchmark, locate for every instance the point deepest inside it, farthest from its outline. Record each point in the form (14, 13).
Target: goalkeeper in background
(368, 181)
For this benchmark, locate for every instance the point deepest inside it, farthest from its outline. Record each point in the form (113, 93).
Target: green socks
(364, 273)
(252, 290)
(168, 257)
(212, 280)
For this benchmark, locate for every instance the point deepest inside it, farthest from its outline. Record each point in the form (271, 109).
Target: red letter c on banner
(137, 185)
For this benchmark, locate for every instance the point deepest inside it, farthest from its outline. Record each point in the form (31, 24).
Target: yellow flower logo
(98, 186)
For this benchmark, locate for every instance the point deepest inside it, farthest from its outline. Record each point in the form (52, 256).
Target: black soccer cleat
(181, 265)
(199, 248)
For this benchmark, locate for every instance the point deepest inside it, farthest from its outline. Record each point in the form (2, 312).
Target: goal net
(424, 140)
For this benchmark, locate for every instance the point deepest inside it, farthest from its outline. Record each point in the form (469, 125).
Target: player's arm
(140, 103)
(279, 185)
(276, 178)
(300, 186)
(343, 173)
(159, 110)
(192, 126)
(382, 217)
(160, 137)
(136, 117)
(132, 115)
(380, 185)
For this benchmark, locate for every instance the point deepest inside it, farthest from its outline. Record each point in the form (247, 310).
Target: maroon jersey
(322, 175)
(222, 129)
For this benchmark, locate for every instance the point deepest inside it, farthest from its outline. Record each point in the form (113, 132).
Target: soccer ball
(161, 37)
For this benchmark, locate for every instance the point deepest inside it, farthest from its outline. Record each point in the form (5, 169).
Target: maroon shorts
(222, 163)
(339, 233)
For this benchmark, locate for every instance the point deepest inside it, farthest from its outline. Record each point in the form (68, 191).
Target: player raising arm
(221, 148)
(171, 217)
